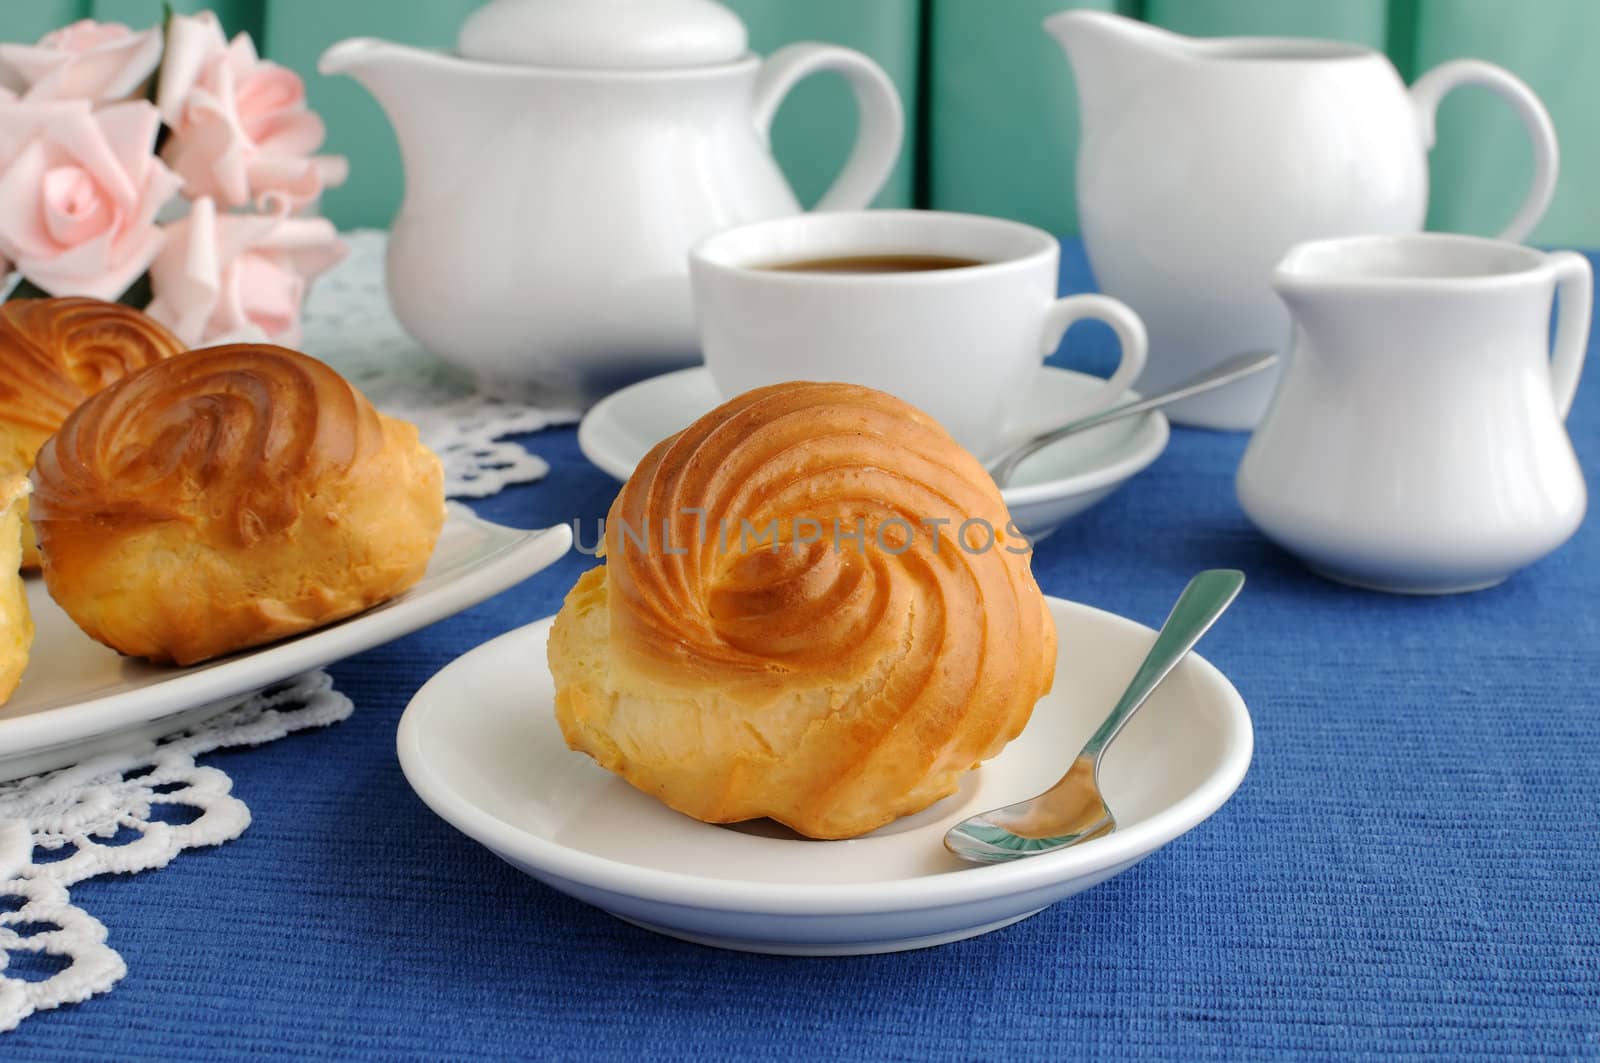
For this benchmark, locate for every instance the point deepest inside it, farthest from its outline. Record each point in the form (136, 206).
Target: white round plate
(1050, 488)
(78, 698)
(479, 743)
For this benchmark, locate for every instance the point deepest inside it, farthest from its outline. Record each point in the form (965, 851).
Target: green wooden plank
(1363, 21)
(1481, 163)
(813, 132)
(28, 20)
(237, 16)
(1003, 112)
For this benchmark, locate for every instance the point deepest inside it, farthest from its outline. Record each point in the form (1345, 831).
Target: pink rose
(240, 125)
(226, 278)
(96, 61)
(79, 196)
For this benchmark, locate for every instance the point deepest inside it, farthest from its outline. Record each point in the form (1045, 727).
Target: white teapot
(1204, 160)
(558, 168)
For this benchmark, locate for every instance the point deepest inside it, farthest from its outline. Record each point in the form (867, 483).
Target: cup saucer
(1050, 488)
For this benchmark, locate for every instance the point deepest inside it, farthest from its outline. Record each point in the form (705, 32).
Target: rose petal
(290, 133)
(90, 269)
(22, 229)
(223, 276)
(77, 132)
(210, 160)
(265, 95)
(96, 68)
(72, 206)
(269, 293)
(78, 202)
(185, 276)
(85, 34)
(193, 42)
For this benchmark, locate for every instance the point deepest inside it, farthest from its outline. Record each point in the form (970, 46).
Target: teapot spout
(435, 102)
(1109, 54)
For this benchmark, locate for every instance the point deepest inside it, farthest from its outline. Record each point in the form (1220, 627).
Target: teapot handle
(882, 119)
(1575, 286)
(1431, 87)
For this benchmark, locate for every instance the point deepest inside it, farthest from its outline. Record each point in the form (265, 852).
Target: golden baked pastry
(228, 497)
(16, 624)
(54, 353)
(743, 654)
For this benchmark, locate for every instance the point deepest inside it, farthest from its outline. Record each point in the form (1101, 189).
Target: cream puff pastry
(843, 671)
(54, 353)
(230, 497)
(16, 624)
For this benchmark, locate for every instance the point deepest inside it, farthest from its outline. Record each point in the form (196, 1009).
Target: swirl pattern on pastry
(229, 497)
(54, 353)
(790, 623)
(233, 438)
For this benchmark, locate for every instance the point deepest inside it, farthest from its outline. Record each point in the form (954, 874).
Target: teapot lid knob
(603, 34)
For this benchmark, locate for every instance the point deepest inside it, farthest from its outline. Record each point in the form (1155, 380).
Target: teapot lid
(603, 34)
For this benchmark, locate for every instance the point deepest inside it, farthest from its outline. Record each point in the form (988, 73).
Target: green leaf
(26, 289)
(139, 293)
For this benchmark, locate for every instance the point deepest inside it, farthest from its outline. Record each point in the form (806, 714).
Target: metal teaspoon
(1072, 810)
(1235, 368)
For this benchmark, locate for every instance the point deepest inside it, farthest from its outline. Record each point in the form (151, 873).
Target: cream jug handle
(1431, 87)
(1575, 287)
(882, 119)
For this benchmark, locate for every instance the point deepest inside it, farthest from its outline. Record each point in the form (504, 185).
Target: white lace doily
(116, 814)
(349, 325)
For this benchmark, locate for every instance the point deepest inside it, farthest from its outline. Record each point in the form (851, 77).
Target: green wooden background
(990, 99)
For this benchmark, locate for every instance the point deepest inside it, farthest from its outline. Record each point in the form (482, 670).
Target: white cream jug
(1203, 161)
(1416, 442)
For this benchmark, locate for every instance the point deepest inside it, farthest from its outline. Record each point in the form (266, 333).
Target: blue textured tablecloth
(1412, 865)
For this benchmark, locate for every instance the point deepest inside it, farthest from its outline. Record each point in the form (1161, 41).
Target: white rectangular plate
(79, 698)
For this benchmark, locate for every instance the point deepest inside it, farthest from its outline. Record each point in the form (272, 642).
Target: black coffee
(875, 264)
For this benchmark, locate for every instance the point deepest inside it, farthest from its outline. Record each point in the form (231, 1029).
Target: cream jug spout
(1108, 53)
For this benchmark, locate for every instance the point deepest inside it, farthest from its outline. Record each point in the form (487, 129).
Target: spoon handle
(1196, 609)
(1226, 372)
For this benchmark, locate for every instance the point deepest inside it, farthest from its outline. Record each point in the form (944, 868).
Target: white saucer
(1049, 489)
(479, 743)
(79, 698)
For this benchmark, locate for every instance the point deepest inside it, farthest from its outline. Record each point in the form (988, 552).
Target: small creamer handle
(1575, 287)
(882, 125)
(1431, 87)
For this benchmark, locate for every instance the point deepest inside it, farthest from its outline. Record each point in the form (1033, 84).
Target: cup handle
(1575, 286)
(1431, 87)
(1131, 337)
(882, 126)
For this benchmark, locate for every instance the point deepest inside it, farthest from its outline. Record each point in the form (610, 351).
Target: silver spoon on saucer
(1236, 368)
(1072, 810)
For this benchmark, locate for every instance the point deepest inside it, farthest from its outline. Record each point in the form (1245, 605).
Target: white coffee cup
(964, 344)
